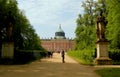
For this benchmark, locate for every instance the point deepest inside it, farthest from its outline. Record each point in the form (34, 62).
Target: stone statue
(101, 26)
(9, 27)
(9, 32)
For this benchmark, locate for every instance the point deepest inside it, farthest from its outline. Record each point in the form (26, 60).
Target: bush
(26, 56)
(115, 56)
(23, 57)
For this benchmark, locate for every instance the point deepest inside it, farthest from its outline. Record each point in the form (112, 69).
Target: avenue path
(49, 67)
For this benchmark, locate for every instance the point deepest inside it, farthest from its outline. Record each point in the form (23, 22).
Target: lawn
(109, 72)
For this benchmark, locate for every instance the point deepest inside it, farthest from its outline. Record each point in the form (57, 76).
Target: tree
(88, 16)
(23, 33)
(110, 10)
(85, 30)
(113, 27)
(6, 7)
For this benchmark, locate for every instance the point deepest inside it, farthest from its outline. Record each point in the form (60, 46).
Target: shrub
(115, 56)
(26, 56)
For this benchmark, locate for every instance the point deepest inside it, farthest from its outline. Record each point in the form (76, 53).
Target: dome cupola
(59, 34)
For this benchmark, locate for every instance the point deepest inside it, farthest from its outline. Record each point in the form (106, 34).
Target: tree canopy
(113, 27)
(85, 30)
(23, 33)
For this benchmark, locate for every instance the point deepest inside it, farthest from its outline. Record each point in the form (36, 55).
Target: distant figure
(49, 54)
(63, 56)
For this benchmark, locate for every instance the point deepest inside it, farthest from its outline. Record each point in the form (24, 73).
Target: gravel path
(49, 67)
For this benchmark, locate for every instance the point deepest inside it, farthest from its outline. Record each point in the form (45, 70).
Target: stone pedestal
(7, 50)
(102, 53)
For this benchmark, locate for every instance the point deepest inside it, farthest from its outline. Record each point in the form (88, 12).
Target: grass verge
(82, 56)
(108, 72)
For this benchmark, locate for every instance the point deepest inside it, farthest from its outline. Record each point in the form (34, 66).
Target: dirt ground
(49, 67)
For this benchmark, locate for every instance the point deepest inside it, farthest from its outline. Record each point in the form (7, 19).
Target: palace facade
(60, 42)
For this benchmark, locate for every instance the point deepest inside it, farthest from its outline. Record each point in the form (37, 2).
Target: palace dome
(59, 34)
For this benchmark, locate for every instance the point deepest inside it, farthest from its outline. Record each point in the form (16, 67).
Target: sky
(46, 15)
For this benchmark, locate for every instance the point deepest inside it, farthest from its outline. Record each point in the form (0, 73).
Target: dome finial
(59, 26)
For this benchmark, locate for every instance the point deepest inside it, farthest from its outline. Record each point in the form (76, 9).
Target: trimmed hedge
(23, 57)
(26, 56)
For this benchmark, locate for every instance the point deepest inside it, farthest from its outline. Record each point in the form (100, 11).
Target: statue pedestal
(102, 53)
(7, 50)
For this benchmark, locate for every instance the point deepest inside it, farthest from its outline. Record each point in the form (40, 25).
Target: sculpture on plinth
(8, 42)
(102, 43)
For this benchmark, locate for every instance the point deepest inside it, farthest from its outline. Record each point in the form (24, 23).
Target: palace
(60, 42)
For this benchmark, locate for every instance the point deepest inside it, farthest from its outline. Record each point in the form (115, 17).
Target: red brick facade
(57, 45)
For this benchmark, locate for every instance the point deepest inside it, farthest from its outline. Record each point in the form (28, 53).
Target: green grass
(109, 72)
(82, 56)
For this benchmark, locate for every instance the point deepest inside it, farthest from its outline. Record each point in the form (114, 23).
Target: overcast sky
(46, 15)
